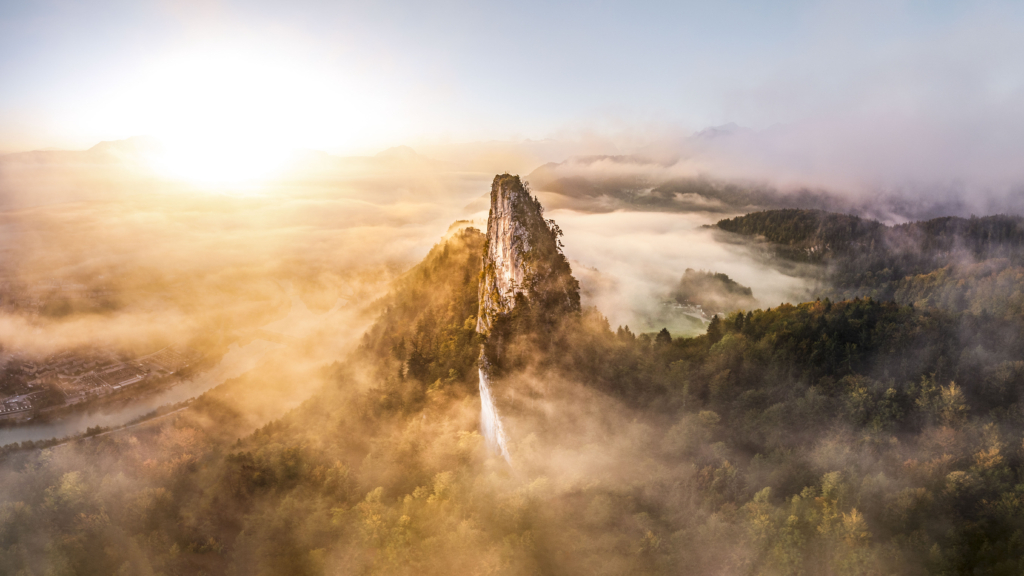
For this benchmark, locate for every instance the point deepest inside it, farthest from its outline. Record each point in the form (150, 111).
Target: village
(28, 386)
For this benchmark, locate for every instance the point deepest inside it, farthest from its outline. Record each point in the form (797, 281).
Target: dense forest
(860, 436)
(959, 264)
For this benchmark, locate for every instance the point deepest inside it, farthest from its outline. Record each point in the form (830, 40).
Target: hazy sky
(348, 76)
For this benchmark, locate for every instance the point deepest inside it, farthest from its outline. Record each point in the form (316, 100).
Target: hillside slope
(957, 264)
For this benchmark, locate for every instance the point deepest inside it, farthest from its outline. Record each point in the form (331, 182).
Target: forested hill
(952, 263)
(807, 234)
(815, 234)
(715, 292)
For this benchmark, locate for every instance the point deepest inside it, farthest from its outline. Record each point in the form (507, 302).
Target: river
(300, 322)
(237, 361)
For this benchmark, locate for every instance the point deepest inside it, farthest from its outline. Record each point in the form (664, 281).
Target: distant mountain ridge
(671, 183)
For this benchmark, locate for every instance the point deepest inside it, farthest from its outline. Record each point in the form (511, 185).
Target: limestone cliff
(526, 285)
(523, 262)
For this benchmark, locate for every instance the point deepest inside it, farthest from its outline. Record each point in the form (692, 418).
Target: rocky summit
(523, 261)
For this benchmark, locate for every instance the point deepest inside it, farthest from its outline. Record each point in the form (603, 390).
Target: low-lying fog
(100, 255)
(628, 262)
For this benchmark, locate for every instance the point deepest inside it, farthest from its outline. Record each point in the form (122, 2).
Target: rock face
(523, 258)
(523, 267)
(508, 241)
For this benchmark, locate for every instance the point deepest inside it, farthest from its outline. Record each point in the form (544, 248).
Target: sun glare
(231, 116)
(219, 161)
(233, 113)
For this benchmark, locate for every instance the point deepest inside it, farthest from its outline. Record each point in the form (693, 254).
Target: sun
(229, 116)
(233, 111)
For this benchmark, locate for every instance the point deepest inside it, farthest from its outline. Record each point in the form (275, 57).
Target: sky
(827, 86)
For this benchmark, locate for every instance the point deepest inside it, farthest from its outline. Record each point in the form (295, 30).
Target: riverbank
(235, 362)
(90, 433)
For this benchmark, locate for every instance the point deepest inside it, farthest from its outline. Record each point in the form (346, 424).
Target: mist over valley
(312, 288)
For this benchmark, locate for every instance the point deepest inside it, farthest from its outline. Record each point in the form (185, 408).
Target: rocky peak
(523, 256)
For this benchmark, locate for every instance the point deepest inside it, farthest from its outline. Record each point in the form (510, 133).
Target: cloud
(628, 263)
(99, 252)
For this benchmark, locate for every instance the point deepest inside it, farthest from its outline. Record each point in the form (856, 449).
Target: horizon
(846, 95)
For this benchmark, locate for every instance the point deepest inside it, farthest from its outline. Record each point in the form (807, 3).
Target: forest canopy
(958, 264)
